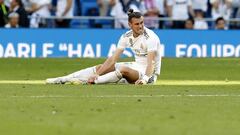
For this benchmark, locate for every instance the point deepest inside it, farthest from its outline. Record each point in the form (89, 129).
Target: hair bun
(130, 11)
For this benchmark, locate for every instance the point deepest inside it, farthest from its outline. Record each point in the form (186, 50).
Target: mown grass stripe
(129, 96)
(160, 82)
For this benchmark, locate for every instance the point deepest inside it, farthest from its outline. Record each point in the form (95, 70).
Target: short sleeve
(152, 44)
(122, 43)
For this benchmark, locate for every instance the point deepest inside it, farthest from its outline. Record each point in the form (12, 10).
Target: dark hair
(219, 19)
(132, 14)
(20, 3)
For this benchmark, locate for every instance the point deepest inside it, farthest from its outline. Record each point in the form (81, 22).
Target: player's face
(136, 24)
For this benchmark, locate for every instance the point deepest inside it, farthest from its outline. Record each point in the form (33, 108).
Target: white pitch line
(159, 82)
(128, 96)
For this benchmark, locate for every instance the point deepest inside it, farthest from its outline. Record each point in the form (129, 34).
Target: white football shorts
(138, 67)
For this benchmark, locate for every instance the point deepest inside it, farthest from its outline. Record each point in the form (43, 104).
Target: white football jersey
(141, 45)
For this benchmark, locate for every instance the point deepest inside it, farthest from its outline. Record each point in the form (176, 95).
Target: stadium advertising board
(32, 43)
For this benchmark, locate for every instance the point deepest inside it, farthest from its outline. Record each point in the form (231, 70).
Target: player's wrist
(96, 74)
(145, 78)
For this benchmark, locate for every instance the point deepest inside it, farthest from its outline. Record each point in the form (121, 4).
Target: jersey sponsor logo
(141, 55)
(140, 52)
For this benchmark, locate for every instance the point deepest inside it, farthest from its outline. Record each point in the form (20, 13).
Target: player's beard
(138, 32)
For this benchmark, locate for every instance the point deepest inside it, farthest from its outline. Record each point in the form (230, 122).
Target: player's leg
(123, 70)
(132, 75)
(129, 74)
(86, 73)
(81, 76)
(132, 71)
(111, 77)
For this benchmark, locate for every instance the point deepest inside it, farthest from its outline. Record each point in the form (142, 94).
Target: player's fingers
(91, 80)
(138, 82)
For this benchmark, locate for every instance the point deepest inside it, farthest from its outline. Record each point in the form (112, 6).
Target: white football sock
(110, 77)
(83, 74)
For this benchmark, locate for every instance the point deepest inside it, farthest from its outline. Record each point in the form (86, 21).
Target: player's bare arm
(150, 68)
(107, 66)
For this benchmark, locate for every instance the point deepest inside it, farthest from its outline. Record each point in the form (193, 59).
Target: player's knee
(124, 71)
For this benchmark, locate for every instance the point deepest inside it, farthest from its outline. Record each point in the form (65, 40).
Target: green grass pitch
(199, 96)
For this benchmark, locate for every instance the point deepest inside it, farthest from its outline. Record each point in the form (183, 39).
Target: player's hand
(140, 82)
(92, 78)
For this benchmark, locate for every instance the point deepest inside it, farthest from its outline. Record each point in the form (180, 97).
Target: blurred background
(91, 28)
(159, 14)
